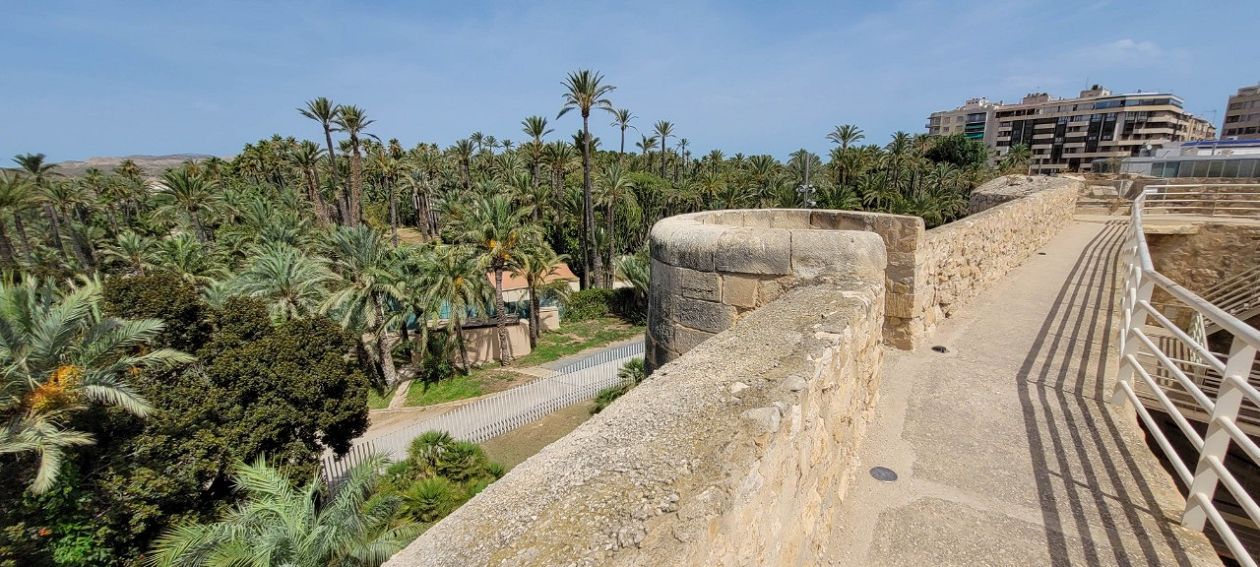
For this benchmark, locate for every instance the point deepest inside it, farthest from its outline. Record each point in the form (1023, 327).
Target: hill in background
(152, 165)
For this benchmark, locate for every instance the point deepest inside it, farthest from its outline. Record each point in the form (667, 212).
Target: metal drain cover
(884, 474)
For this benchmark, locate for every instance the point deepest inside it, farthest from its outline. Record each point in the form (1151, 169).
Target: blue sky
(83, 79)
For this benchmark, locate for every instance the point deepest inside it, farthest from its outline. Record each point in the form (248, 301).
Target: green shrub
(631, 374)
(430, 499)
(597, 302)
(587, 304)
(462, 461)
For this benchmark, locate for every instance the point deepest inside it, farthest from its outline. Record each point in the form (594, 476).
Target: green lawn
(379, 401)
(450, 389)
(570, 338)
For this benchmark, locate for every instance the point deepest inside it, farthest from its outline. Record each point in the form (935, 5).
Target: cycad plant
(60, 356)
(278, 524)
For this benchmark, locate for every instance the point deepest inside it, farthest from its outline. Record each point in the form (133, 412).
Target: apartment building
(1069, 134)
(1242, 115)
(974, 119)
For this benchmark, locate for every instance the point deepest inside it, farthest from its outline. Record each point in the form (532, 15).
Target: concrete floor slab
(1007, 450)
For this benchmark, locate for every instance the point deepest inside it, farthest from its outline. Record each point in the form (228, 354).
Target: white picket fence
(499, 413)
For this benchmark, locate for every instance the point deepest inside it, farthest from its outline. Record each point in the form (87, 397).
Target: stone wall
(960, 259)
(737, 453)
(709, 269)
(1199, 254)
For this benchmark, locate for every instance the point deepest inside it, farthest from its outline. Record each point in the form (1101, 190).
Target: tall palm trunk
(611, 225)
(317, 200)
(463, 345)
(54, 229)
(200, 229)
(6, 247)
(593, 265)
(535, 320)
(383, 350)
(23, 239)
(500, 323)
(393, 212)
(356, 182)
(340, 191)
(664, 162)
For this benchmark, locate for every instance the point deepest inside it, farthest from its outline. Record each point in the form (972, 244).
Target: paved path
(1007, 450)
(497, 413)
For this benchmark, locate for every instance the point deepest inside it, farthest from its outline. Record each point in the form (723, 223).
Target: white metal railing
(1146, 336)
(499, 413)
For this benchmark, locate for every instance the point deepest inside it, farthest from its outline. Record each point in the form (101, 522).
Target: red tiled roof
(514, 280)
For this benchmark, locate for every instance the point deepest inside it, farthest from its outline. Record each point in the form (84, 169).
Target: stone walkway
(1006, 448)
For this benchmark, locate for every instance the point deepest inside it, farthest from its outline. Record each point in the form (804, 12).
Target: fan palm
(501, 233)
(60, 356)
(364, 303)
(278, 524)
(586, 91)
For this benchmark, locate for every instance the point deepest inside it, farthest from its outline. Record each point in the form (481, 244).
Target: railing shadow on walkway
(1084, 466)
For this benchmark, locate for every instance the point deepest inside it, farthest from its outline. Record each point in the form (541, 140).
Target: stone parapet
(709, 269)
(738, 453)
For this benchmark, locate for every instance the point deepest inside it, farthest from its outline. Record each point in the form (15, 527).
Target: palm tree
(277, 524)
(535, 127)
(133, 250)
(455, 279)
(60, 356)
(306, 156)
(364, 304)
(65, 197)
(664, 129)
(353, 121)
(326, 113)
(17, 195)
(621, 119)
(846, 135)
(184, 194)
(292, 282)
(586, 91)
(501, 234)
(616, 189)
(538, 263)
(39, 171)
(463, 149)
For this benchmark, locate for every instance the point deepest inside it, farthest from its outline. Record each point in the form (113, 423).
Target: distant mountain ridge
(152, 165)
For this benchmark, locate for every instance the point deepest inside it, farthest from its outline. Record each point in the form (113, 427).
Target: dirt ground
(513, 448)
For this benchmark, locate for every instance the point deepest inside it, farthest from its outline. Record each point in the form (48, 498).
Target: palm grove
(162, 335)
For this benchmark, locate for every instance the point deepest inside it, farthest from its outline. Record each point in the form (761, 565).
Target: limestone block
(705, 316)
(681, 243)
(740, 291)
(686, 339)
(859, 255)
(754, 251)
(699, 285)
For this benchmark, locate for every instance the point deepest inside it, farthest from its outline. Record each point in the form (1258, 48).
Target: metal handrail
(1138, 312)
